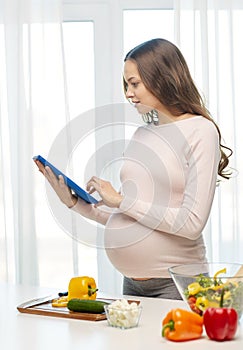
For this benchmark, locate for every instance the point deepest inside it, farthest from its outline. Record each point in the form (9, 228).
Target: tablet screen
(74, 187)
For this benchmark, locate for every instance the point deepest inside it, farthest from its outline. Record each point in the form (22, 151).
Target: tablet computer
(74, 187)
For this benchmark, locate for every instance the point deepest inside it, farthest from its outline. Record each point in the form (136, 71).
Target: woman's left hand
(109, 195)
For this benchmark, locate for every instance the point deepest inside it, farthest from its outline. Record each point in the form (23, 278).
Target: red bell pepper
(220, 323)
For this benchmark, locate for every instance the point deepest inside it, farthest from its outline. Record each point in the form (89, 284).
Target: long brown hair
(165, 73)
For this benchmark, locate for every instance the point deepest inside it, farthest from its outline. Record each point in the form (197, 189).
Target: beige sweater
(168, 181)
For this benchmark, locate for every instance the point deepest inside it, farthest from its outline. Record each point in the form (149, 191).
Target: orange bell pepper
(181, 325)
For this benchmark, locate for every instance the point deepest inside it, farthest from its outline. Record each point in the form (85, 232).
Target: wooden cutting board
(45, 308)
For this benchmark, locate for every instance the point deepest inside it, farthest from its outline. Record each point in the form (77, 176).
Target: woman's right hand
(58, 184)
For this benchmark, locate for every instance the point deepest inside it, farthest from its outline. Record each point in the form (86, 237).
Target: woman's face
(138, 94)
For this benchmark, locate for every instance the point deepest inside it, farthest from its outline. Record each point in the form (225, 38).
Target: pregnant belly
(138, 251)
(122, 231)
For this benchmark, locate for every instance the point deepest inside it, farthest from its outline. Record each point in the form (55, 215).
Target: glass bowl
(123, 318)
(210, 285)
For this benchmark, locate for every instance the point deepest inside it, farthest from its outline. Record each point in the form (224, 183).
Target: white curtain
(32, 90)
(211, 29)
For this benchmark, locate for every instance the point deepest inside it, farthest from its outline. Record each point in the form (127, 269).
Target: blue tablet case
(76, 189)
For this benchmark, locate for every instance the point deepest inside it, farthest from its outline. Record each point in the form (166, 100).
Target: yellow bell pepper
(202, 303)
(83, 287)
(213, 303)
(219, 272)
(194, 288)
(60, 302)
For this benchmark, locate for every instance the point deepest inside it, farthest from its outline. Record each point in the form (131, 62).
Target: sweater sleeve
(89, 211)
(188, 219)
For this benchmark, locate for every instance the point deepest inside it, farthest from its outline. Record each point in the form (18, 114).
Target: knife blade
(37, 301)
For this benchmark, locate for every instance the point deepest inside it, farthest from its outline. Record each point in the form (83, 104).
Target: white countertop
(20, 331)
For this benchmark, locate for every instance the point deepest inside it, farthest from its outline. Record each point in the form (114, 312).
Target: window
(158, 23)
(60, 256)
(82, 71)
(142, 25)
